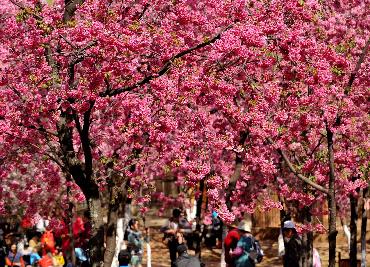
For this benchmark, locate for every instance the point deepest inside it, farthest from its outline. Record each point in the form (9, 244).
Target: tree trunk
(120, 232)
(331, 201)
(116, 208)
(198, 231)
(110, 236)
(284, 215)
(307, 240)
(70, 222)
(70, 9)
(353, 229)
(96, 243)
(363, 229)
(224, 234)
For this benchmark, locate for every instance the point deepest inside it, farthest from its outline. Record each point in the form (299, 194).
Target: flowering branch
(300, 176)
(296, 173)
(358, 65)
(165, 67)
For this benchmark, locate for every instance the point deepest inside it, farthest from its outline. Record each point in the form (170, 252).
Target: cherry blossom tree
(116, 94)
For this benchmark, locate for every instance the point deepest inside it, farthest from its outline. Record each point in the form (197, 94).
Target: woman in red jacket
(230, 242)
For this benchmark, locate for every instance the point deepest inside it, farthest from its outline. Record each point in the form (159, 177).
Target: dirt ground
(268, 240)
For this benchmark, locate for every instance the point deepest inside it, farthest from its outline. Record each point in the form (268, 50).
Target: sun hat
(289, 225)
(245, 225)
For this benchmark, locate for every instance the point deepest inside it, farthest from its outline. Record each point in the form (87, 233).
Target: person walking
(230, 243)
(217, 227)
(184, 259)
(14, 258)
(176, 224)
(293, 245)
(247, 251)
(135, 242)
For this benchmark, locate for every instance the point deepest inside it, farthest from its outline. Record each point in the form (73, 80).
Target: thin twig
(67, 41)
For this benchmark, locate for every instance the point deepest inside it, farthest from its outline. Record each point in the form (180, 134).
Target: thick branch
(85, 141)
(77, 122)
(40, 129)
(329, 134)
(165, 67)
(67, 41)
(70, 9)
(296, 173)
(300, 176)
(237, 171)
(358, 65)
(77, 57)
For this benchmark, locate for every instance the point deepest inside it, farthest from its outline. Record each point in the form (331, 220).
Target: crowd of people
(41, 250)
(40, 247)
(241, 247)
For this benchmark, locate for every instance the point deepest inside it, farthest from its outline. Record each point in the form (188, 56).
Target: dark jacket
(293, 252)
(184, 260)
(2, 253)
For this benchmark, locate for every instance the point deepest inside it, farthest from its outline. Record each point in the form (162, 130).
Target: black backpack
(124, 257)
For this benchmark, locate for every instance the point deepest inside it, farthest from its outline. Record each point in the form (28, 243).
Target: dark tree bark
(70, 9)
(353, 230)
(363, 228)
(233, 180)
(198, 231)
(331, 200)
(70, 223)
(307, 240)
(96, 243)
(237, 171)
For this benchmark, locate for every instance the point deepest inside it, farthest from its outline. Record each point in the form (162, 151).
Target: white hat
(289, 225)
(245, 225)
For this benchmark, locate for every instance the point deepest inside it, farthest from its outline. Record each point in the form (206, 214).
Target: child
(58, 259)
(34, 257)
